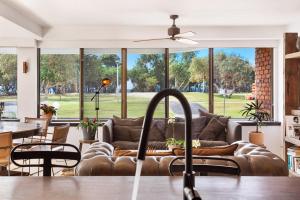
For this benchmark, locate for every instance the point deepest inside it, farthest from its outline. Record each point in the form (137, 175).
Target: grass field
(110, 104)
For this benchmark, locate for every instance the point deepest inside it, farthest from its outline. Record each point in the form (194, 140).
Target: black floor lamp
(104, 83)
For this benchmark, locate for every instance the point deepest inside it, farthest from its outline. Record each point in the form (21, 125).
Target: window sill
(252, 123)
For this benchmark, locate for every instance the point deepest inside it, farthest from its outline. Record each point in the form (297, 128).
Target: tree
(233, 72)
(179, 69)
(8, 74)
(147, 73)
(60, 71)
(199, 70)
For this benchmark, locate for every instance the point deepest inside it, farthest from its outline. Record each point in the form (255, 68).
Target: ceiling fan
(175, 35)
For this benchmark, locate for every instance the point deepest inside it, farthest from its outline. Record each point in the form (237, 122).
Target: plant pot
(47, 116)
(88, 133)
(256, 138)
(171, 147)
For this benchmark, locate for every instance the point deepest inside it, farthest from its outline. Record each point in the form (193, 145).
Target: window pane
(189, 73)
(146, 77)
(234, 79)
(60, 81)
(100, 64)
(8, 81)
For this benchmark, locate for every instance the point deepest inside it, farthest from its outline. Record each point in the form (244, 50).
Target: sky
(246, 53)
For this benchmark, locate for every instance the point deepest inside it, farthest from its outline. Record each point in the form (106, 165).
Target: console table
(158, 187)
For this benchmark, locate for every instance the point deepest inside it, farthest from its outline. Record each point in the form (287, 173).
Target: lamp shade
(105, 82)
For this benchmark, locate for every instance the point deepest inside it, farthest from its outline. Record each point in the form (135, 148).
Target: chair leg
(39, 167)
(8, 172)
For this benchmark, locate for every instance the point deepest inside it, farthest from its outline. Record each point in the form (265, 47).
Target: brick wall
(263, 78)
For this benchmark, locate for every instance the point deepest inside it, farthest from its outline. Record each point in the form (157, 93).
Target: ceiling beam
(17, 18)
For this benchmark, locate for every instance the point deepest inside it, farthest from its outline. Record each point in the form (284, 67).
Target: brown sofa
(253, 160)
(125, 133)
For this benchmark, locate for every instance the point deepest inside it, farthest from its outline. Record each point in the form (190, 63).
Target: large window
(60, 81)
(8, 81)
(100, 64)
(234, 80)
(146, 77)
(189, 73)
(234, 76)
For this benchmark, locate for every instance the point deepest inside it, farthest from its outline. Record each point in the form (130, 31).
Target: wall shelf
(295, 55)
(292, 141)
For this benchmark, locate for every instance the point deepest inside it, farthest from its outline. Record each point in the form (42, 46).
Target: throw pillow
(209, 151)
(128, 122)
(122, 127)
(213, 129)
(208, 115)
(157, 132)
(198, 124)
(222, 136)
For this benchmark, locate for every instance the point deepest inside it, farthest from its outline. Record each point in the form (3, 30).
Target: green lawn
(110, 104)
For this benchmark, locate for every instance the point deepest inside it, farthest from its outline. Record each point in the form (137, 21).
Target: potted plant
(172, 143)
(48, 111)
(254, 111)
(89, 128)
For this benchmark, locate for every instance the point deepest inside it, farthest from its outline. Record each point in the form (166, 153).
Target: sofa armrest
(234, 132)
(107, 131)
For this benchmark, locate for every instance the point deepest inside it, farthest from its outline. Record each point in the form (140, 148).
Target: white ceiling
(156, 12)
(61, 19)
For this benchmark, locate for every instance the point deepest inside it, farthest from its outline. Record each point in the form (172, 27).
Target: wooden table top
(158, 187)
(19, 129)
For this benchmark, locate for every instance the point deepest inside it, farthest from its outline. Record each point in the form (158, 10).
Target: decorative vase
(256, 138)
(89, 133)
(298, 43)
(47, 116)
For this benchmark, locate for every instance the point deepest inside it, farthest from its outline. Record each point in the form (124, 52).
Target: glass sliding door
(60, 81)
(189, 73)
(146, 77)
(100, 64)
(8, 82)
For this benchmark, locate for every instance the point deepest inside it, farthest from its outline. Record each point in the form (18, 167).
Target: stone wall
(263, 76)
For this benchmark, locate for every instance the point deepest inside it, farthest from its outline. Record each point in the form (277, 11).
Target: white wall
(27, 83)
(272, 136)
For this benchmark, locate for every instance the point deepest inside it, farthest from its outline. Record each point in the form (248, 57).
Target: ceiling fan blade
(186, 34)
(151, 39)
(186, 41)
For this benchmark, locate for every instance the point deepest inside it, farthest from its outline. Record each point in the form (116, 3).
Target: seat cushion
(134, 145)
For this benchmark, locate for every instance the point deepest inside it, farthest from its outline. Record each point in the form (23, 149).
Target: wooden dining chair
(5, 148)
(43, 124)
(204, 168)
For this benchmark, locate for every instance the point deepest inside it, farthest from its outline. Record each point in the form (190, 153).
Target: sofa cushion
(198, 124)
(209, 151)
(213, 129)
(122, 127)
(222, 136)
(134, 145)
(133, 153)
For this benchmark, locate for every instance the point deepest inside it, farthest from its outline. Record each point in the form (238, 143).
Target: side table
(81, 142)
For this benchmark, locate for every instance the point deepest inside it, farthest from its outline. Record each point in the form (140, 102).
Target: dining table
(19, 129)
(151, 188)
